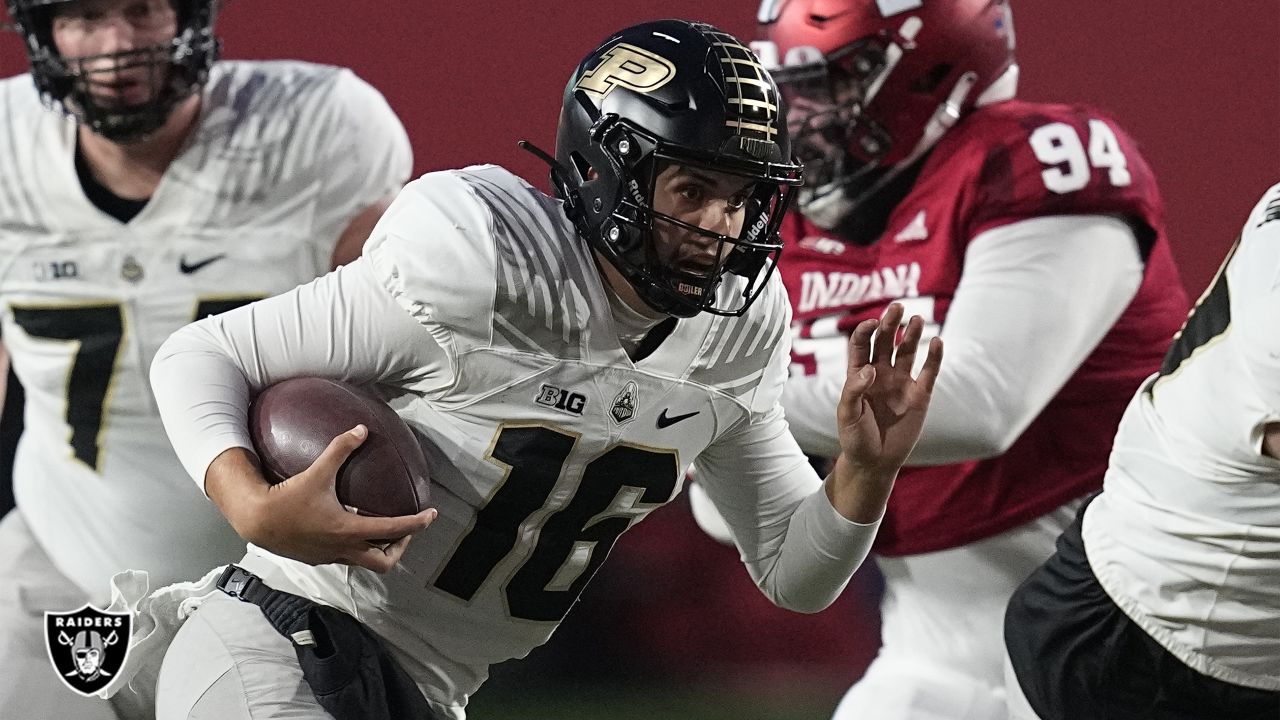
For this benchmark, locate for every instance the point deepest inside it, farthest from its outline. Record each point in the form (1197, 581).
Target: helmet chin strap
(831, 203)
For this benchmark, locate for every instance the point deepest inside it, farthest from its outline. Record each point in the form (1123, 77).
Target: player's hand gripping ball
(293, 421)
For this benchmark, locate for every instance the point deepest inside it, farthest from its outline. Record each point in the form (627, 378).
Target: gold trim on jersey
(488, 498)
(109, 394)
(1196, 352)
(1218, 290)
(545, 513)
(561, 493)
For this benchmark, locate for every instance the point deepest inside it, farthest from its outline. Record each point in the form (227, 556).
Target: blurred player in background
(1030, 237)
(643, 294)
(146, 185)
(1162, 600)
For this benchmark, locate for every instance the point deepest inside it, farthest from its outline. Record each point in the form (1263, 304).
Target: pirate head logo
(87, 647)
(624, 405)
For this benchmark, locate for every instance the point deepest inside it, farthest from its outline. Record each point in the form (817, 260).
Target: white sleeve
(1035, 298)
(367, 156)
(799, 551)
(1253, 276)
(345, 325)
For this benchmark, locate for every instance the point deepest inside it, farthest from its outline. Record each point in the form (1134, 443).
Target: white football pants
(228, 663)
(942, 654)
(29, 684)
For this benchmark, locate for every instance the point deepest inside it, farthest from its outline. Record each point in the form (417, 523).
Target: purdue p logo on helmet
(667, 93)
(627, 66)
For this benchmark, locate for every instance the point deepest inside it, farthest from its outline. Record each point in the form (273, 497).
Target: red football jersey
(1001, 164)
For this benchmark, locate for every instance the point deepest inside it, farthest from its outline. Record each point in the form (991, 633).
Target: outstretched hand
(882, 409)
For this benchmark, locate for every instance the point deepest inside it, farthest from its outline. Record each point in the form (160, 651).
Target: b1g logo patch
(631, 67)
(561, 399)
(87, 647)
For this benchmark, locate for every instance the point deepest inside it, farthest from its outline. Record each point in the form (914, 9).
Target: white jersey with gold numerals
(546, 440)
(285, 154)
(1186, 535)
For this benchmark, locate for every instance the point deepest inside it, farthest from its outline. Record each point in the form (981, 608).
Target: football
(293, 421)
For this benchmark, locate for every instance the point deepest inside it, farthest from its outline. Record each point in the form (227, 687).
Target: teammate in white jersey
(145, 185)
(1162, 600)
(642, 295)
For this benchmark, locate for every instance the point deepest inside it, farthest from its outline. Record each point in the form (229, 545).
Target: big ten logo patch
(627, 66)
(56, 270)
(563, 400)
(87, 647)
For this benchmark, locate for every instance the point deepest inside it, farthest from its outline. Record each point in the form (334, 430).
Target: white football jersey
(1186, 536)
(546, 441)
(284, 156)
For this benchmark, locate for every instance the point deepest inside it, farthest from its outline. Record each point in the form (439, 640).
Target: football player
(146, 185)
(644, 289)
(1161, 601)
(1030, 237)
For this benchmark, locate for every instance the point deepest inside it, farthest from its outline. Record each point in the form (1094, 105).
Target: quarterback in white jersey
(564, 360)
(136, 211)
(1173, 567)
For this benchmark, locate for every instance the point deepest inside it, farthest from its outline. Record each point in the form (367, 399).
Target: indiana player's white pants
(29, 684)
(942, 656)
(228, 663)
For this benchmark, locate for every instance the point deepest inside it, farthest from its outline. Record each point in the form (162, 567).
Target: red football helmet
(873, 84)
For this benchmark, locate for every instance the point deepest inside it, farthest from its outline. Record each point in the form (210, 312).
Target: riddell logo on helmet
(87, 647)
(627, 66)
(753, 235)
(636, 195)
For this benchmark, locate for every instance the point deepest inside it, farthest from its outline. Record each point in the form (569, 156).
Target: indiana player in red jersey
(1031, 236)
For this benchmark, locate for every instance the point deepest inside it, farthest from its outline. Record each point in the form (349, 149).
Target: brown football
(293, 421)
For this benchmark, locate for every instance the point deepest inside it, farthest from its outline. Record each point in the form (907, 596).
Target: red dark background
(1196, 82)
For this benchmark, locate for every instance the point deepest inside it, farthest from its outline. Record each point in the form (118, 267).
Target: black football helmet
(674, 92)
(176, 68)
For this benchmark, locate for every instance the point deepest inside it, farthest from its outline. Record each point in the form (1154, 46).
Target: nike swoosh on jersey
(196, 266)
(664, 421)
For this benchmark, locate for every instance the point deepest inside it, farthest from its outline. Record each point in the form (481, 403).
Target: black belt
(347, 666)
